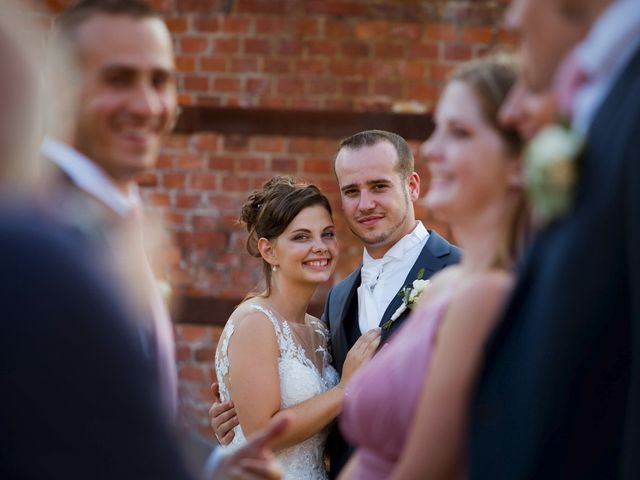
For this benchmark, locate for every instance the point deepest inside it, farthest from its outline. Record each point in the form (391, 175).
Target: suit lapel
(432, 258)
(339, 338)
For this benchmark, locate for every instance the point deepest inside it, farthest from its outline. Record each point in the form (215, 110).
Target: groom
(378, 187)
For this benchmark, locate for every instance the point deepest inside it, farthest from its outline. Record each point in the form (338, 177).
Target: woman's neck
(290, 301)
(483, 238)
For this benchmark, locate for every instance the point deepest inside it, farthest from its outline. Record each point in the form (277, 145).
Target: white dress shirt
(603, 54)
(395, 266)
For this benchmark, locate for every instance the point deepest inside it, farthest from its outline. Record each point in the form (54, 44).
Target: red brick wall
(359, 55)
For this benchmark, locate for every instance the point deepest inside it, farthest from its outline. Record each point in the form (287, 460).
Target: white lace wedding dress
(300, 379)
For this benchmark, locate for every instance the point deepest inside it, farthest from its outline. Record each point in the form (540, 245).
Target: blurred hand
(254, 460)
(222, 417)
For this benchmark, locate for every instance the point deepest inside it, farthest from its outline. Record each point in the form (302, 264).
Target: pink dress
(381, 398)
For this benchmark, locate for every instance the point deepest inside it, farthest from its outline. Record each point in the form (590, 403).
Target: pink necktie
(570, 77)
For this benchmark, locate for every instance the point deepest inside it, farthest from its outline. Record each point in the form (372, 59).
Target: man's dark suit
(341, 315)
(80, 400)
(559, 396)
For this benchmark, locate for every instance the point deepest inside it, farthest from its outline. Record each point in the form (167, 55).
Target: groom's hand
(254, 460)
(222, 417)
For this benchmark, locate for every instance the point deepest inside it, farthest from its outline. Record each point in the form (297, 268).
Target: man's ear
(413, 186)
(265, 247)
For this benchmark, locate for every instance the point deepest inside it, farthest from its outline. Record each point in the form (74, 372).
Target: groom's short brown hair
(71, 18)
(369, 138)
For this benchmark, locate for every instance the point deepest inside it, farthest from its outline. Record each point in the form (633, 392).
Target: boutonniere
(410, 296)
(550, 171)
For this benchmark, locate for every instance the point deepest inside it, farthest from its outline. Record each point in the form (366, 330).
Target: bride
(272, 355)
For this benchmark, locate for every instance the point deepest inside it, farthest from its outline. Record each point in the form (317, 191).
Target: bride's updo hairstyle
(269, 211)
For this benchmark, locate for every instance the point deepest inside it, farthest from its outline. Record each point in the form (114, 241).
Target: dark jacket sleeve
(80, 399)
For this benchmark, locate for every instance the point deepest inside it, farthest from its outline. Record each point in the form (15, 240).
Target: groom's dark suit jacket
(341, 315)
(80, 400)
(559, 396)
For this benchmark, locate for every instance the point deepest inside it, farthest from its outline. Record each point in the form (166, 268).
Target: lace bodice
(300, 379)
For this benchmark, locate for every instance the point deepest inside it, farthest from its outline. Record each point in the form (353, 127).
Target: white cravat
(388, 274)
(367, 304)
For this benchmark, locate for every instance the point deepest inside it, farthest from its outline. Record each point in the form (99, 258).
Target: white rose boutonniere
(550, 171)
(410, 296)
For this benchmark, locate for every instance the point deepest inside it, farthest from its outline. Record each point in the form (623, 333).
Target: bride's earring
(274, 268)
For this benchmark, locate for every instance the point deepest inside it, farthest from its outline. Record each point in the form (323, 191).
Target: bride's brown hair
(269, 211)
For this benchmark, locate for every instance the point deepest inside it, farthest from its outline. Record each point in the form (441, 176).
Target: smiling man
(378, 186)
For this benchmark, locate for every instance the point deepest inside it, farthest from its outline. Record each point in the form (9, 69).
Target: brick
(184, 200)
(409, 31)
(236, 143)
(337, 29)
(258, 85)
(321, 47)
(193, 44)
(440, 72)
(335, 7)
(322, 166)
(268, 25)
(269, 144)
(189, 161)
(186, 64)
(235, 184)
(173, 219)
(389, 50)
(355, 49)
(263, 6)
(205, 141)
(203, 181)
(422, 92)
(305, 103)
(277, 65)
(236, 24)
(213, 64)
(209, 100)
(318, 86)
(176, 24)
(225, 45)
(457, 52)
(371, 30)
(227, 84)
(164, 160)
(147, 179)
(218, 163)
(289, 47)
(205, 354)
(477, 34)
(198, 83)
(183, 353)
(285, 165)
(244, 65)
(174, 180)
(306, 26)
(424, 51)
(204, 222)
(189, 373)
(290, 86)
(409, 70)
(441, 31)
(205, 6)
(310, 67)
(390, 88)
(158, 199)
(207, 24)
(256, 46)
(251, 164)
(355, 87)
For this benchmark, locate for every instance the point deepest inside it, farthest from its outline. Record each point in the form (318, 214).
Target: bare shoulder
(480, 297)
